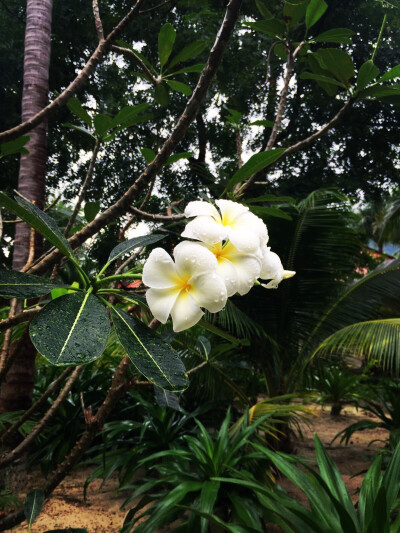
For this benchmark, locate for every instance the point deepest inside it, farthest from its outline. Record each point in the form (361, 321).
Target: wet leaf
(127, 246)
(33, 505)
(15, 284)
(71, 330)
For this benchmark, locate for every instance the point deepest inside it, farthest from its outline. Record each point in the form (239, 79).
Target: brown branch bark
(179, 131)
(12, 321)
(7, 335)
(85, 186)
(95, 59)
(54, 386)
(19, 450)
(97, 20)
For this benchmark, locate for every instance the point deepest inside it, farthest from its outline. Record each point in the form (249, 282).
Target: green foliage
(33, 505)
(184, 478)
(74, 328)
(14, 147)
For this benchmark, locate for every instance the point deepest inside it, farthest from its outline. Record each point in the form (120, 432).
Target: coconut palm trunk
(16, 390)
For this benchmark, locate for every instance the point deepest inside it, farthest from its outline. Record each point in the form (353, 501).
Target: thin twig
(97, 20)
(196, 368)
(7, 335)
(127, 52)
(19, 450)
(155, 7)
(157, 218)
(122, 205)
(128, 261)
(34, 407)
(85, 186)
(31, 253)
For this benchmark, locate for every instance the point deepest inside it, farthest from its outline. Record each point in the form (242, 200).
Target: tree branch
(25, 315)
(97, 20)
(34, 407)
(156, 218)
(122, 205)
(19, 450)
(85, 186)
(131, 55)
(94, 60)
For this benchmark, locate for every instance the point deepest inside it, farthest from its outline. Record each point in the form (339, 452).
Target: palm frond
(372, 340)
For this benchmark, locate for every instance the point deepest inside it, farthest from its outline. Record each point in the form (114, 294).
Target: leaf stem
(379, 37)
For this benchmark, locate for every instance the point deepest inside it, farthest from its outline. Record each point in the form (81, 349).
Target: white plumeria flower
(272, 269)
(234, 222)
(180, 289)
(238, 270)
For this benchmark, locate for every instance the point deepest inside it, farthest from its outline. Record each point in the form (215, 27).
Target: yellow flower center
(184, 284)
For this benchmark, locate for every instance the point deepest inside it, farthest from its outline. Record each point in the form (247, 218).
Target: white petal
(244, 240)
(230, 210)
(159, 270)
(161, 302)
(209, 291)
(247, 271)
(192, 258)
(205, 229)
(271, 265)
(227, 272)
(254, 224)
(185, 313)
(197, 208)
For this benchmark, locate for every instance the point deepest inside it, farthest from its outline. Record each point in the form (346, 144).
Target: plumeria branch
(97, 20)
(13, 320)
(130, 54)
(39, 402)
(95, 59)
(192, 107)
(156, 218)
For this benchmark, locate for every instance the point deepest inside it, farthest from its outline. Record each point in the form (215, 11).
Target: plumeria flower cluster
(226, 255)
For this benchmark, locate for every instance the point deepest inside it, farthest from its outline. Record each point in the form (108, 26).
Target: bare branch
(122, 205)
(19, 450)
(155, 7)
(85, 186)
(131, 55)
(97, 20)
(17, 319)
(156, 218)
(95, 59)
(34, 407)
(7, 335)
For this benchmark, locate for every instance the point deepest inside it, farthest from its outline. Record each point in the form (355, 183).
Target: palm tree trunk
(16, 391)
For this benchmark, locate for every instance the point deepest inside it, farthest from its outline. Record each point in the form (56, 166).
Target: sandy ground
(101, 512)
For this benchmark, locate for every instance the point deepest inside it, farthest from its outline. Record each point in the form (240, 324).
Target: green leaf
(321, 78)
(148, 154)
(391, 478)
(256, 163)
(139, 55)
(15, 284)
(78, 128)
(192, 68)
(335, 35)
(154, 358)
(15, 147)
(33, 505)
(71, 330)
(127, 113)
(313, 62)
(270, 27)
(380, 91)
(294, 12)
(76, 108)
(265, 123)
(369, 489)
(166, 399)
(161, 94)
(166, 39)
(180, 87)
(176, 157)
(91, 210)
(367, 73)
(270, 212)
(262, 8)
(380, 518)
(336, 61)
(390, 74)
(39, 220)
(331, 475)
(127, 246)
(191, 50)
(102, 124)
(315, 10)
(208, 497)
